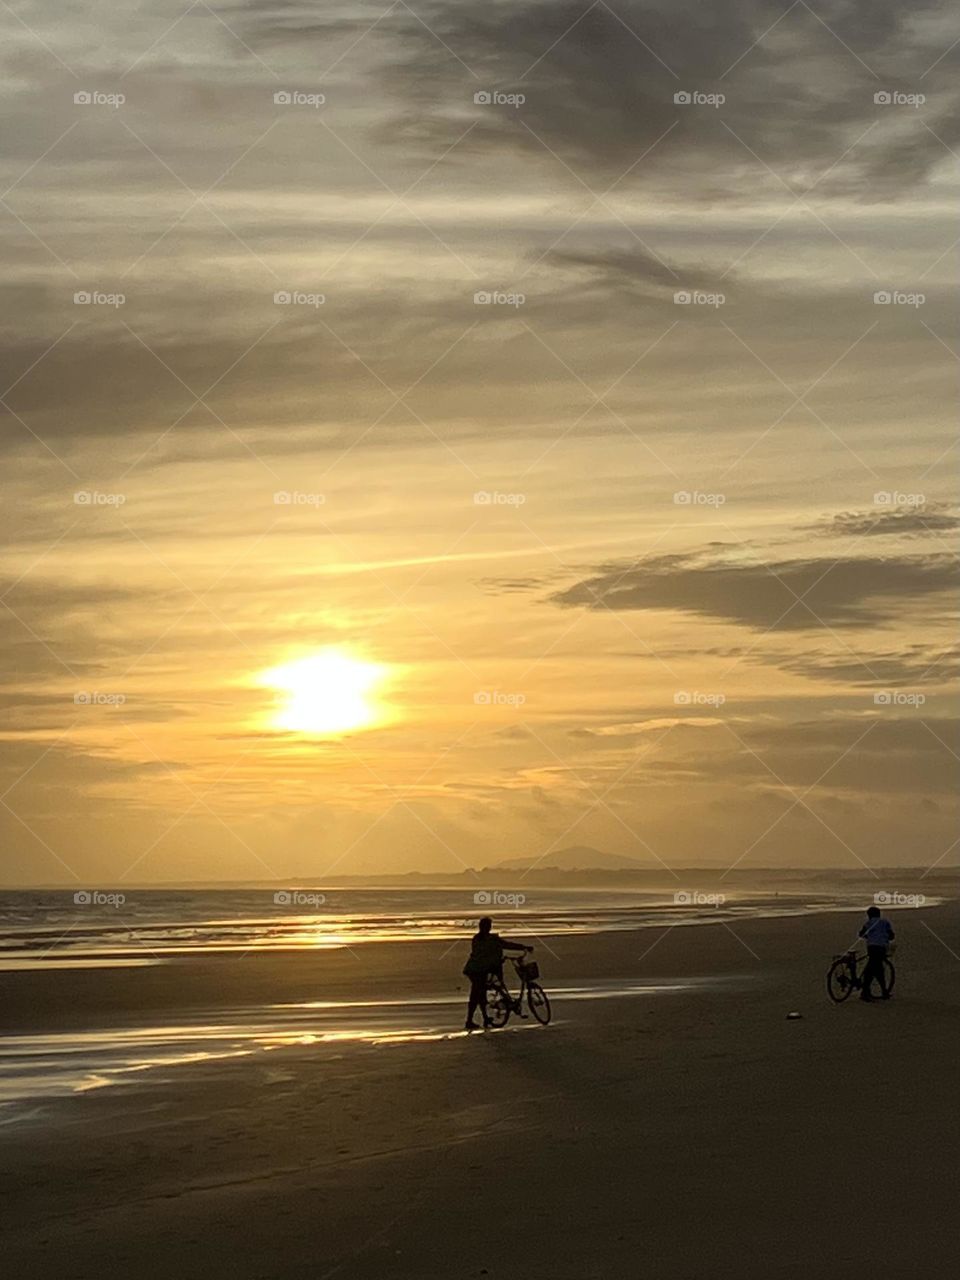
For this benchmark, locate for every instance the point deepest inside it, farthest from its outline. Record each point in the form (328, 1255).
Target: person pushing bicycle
(486, 958)
(877, 933)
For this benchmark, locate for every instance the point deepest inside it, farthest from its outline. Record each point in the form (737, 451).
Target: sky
(587, 370)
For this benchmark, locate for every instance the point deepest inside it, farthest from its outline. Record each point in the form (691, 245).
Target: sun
(330, 691)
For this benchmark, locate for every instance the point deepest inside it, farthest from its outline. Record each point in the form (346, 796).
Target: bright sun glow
(328, 692)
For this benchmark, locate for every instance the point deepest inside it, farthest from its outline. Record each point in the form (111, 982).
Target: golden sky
(574, 383)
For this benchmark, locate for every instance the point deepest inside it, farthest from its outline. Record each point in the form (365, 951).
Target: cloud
(36, 771)
(907, 668)
(634, 728)
(877, 751)
(792, 595)
(879, 755)
(901, 760)
(600, 81)
(907, 521)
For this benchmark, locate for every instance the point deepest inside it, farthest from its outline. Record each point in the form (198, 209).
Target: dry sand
(692, 1134)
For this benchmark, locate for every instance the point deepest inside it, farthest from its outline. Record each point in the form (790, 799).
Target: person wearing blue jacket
(877, 933)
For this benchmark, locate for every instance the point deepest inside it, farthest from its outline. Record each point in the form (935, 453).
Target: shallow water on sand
(55, 1065)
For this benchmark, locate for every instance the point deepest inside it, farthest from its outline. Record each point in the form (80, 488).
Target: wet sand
(686, 1132)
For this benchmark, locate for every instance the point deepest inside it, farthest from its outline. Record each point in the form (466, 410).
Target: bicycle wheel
(839, 982)
(498, 1005)
(538, 1003)
(889, 973)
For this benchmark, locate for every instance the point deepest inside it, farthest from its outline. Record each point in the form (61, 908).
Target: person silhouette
(877, 933)
(486, 958)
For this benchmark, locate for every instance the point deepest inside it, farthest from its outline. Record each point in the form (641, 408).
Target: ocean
(114, 927)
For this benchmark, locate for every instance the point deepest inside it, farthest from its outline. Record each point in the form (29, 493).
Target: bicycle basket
(530, 970)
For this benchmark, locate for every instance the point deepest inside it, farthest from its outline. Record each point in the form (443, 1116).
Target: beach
(479, 469)
(671, 1120)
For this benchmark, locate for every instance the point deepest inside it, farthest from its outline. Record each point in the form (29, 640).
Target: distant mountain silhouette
(578, 857)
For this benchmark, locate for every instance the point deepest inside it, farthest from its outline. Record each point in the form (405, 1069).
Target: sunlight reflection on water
(57, 1064)
(47, 930)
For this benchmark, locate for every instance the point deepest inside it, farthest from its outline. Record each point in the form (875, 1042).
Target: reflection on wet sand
(51, 1065)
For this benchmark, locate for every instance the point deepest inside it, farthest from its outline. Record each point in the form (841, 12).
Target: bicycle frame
(856, 962)
(517, 1001)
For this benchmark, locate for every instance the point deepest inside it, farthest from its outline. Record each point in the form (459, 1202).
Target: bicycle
(845, 975)
(500, 1003)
